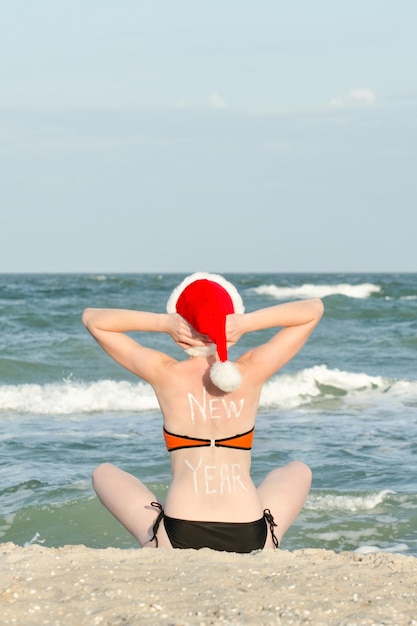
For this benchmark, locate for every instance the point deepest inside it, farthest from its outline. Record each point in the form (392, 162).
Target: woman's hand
(234, 328)
(183, 333)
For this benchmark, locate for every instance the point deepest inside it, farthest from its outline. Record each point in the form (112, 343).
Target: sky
(208, 135)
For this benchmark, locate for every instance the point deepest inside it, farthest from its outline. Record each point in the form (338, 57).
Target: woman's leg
(130, 502)
(284, 492)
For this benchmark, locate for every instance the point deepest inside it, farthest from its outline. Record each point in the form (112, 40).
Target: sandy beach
(82, 586)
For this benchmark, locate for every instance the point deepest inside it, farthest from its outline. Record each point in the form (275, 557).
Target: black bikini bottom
(225, 536)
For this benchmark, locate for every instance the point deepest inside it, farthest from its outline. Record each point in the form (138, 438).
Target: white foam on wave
(70, 397)
(321, 384)
(35, 539)
(364, 290)
(291, 390)
(99, 277)
(398, 547)
(307, 388)
(346, 502)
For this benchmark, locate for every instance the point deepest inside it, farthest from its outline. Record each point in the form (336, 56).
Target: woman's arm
(281, 315)
(109, 328)
(297, 321)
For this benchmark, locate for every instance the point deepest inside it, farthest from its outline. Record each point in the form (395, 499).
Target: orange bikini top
(178, 442)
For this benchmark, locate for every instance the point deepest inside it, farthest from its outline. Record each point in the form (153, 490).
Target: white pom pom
(225, 375)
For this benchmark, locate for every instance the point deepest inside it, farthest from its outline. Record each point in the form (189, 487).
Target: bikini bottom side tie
(272, 524)
(157, 522)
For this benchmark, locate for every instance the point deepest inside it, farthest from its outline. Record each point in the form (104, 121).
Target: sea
(346, 405)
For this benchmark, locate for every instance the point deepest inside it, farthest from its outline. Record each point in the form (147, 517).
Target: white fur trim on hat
(225, 375)
(207, 350)
(216, 278)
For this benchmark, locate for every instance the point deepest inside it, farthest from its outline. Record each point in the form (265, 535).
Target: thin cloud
(217, 102)
(356, 96)
(182, 104)
(367, 96)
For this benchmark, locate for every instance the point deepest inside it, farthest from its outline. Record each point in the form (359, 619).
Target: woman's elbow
(318, 308)
(86, 316)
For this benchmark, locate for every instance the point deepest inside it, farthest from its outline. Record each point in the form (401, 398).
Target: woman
(209, 408)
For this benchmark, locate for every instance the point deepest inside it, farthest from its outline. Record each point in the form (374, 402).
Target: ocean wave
(311, 387)
(395, 548)
(364, 290)
(317, 385)
(70, 397)
(347, 502)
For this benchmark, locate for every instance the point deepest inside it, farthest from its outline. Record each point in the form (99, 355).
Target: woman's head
(204, 300)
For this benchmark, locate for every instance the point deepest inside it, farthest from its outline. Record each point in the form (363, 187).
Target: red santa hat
(204, 300)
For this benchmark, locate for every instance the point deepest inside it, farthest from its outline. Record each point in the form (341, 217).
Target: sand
(75, 585)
